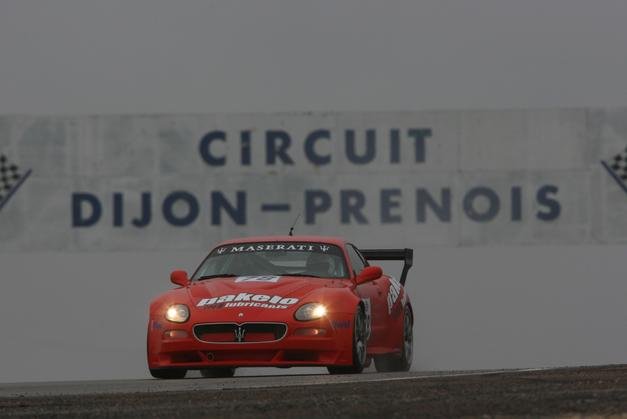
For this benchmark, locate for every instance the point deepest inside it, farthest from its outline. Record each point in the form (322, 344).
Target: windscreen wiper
(216, 276)
(300, 274)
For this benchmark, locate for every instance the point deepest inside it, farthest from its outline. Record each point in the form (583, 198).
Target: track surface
(564, 391)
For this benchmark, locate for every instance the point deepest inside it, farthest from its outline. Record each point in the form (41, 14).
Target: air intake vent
(240, 333)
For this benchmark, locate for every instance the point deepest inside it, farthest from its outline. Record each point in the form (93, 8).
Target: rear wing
(406, 255)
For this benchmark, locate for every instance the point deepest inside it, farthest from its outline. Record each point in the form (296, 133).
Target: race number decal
(393, 293)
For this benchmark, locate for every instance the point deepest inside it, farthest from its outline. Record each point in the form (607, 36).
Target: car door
(373, 295)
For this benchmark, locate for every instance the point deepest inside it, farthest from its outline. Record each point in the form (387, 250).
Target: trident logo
(239, 334)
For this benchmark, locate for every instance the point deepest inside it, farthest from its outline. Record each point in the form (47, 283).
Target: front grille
(240, 333)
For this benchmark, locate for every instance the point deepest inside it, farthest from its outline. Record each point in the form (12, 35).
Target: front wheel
(217, 372)
(168, 374)
(359, 346)
(402, 362)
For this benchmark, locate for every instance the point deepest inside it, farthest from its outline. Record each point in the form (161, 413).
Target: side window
(357, 262)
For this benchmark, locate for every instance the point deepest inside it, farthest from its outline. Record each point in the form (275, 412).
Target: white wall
(513, 177)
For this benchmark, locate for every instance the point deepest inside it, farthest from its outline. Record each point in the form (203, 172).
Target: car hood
(282, 286)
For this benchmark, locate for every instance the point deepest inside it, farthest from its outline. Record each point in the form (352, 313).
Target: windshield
(277, 259)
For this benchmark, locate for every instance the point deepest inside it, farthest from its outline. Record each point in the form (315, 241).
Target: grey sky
(76, 56)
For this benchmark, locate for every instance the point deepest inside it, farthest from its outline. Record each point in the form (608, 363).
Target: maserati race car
(283, 301)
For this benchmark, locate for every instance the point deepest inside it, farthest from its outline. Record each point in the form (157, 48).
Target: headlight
(177, 313)
(310, 311)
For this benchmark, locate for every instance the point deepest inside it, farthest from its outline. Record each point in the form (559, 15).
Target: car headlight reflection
(310, 311)
(177, 313)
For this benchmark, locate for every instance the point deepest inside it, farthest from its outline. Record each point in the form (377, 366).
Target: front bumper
(185, 350)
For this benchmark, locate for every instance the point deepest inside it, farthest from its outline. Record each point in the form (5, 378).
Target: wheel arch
(411, 310)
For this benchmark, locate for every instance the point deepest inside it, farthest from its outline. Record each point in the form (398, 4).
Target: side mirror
(179, 278)
(370, 273)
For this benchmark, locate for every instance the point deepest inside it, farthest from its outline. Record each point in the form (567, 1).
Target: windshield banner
(277, 247)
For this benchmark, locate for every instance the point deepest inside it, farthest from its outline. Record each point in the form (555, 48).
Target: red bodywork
(323, 342)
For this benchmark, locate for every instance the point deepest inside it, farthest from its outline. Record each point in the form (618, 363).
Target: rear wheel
(168, 374)
(402, 362)
(359, 346)
(217, 372)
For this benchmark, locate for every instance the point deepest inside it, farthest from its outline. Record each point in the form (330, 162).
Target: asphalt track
(539, 392)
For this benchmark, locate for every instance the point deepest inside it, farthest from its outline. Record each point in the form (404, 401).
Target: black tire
(217, 372)
(402, 362)
(359, 346)
(169, 373)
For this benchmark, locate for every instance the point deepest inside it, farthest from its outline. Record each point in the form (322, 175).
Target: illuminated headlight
(177, 313)
(310, 311)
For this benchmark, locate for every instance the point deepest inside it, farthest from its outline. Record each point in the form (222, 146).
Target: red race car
(283, 301)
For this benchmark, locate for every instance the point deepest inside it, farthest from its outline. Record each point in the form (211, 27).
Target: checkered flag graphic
(10, 179)
(617, 167)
